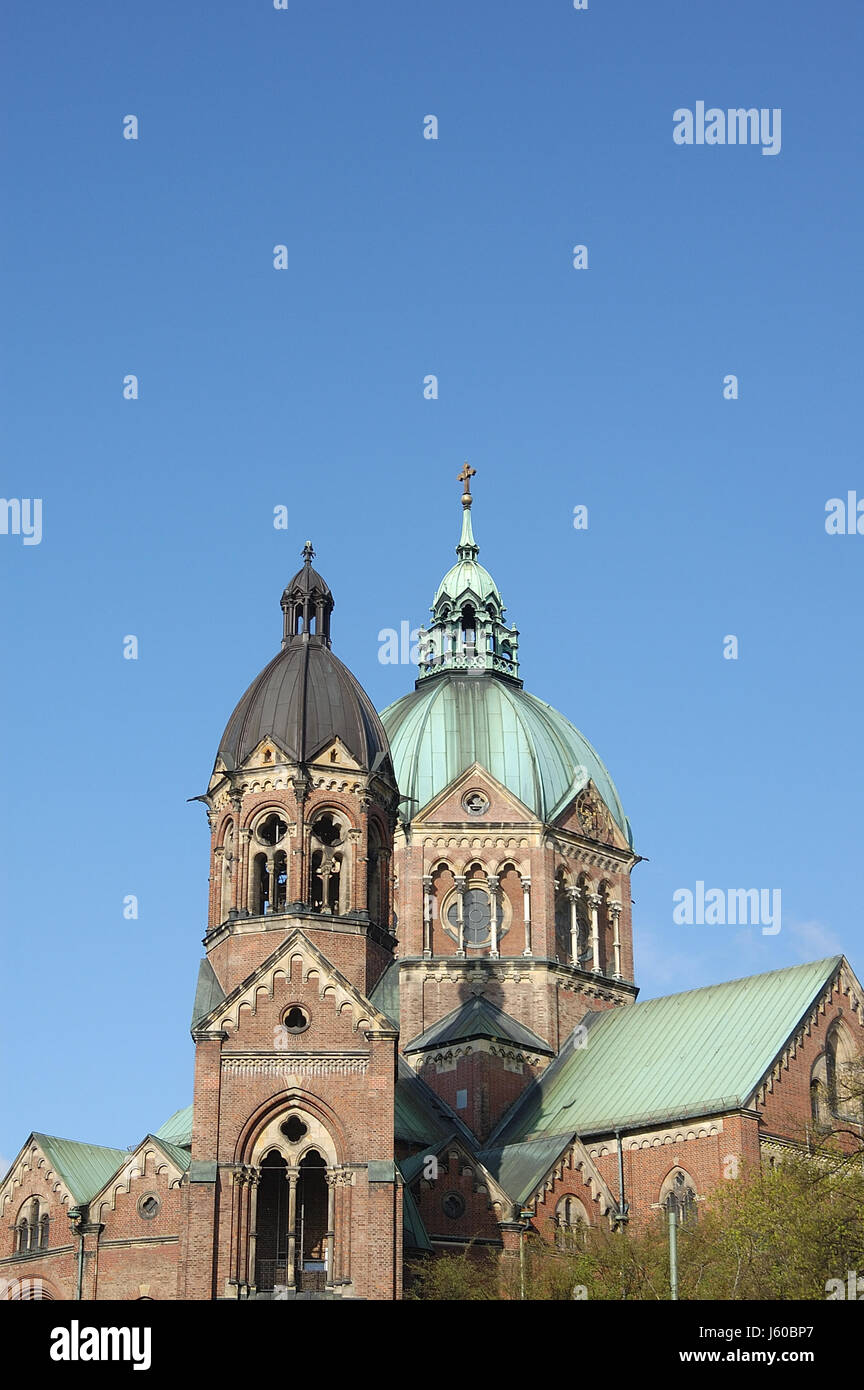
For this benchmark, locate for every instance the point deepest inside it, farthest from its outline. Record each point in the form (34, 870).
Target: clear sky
(303, 387)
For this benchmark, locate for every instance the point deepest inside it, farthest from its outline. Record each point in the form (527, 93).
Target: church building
(416, 1024)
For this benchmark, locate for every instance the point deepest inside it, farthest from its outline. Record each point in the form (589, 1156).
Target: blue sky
(304, 388)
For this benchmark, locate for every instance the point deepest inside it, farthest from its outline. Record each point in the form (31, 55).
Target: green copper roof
(664, 1060)
(181, 1156)
(449, 722)
(467, 576)
(177, 1129)
(478, 1018)
(85, 1168)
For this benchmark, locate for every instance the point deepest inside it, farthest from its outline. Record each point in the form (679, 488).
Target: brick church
(416, 1024)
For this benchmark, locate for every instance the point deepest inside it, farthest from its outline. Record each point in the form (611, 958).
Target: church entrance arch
(295, 1171)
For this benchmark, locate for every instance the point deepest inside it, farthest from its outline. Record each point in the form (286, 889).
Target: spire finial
(465, 477)
(308, 553)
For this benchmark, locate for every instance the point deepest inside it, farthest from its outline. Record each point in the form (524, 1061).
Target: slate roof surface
(422, 1117)
(478, 1018)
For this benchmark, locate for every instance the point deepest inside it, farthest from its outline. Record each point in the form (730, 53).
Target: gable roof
(478, 1017)
(685, 1055)
(85, 1168)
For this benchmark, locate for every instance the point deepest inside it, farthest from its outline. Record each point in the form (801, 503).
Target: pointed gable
(332, 984)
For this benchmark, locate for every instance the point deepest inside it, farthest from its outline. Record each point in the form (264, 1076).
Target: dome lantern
(468, 632)
(306, 605)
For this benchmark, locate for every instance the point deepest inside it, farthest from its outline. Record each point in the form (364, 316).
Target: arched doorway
(291, 1248)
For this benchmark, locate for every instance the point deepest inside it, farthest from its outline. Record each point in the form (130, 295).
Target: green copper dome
(452, 721)
(468, 705)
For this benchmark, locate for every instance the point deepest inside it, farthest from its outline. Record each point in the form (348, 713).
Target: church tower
(292, 1185)
(512, 858)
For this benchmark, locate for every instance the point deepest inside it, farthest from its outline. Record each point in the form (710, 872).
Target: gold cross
(465, 477)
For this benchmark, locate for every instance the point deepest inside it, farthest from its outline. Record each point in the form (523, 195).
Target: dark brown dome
(306, 697)
(303, 699)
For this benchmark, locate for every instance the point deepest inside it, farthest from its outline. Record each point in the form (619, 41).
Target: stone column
(292, 1176)
(526, 902)
(216, 886)
(271, 880)
(242, 887)
(615, 909)
(361, 859)
(239, 1190)
(297, 889)
(236, 868)
(574, 894)
(251, 1272)
(427, 915)
(492, 882)
(594, 901)
(347, 1205)
(329, 1235)
(460, 913)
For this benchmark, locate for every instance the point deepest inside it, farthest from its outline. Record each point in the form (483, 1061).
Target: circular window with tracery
(476, 914)
(296, 1019)
(476, 803)
(148, 1206)
(453, 1205)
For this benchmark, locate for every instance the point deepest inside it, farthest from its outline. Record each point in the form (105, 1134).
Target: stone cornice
(286, 922)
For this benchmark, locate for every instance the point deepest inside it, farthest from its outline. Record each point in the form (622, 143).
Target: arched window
(227, 870)
(583, 915)
(376, 876)
(831, 1097)
(29, 1229)
(328, 890)
(43, 1232)
(260, 902)
(571, 1224)
(280, 875)
(679, 1193)
(562, 918)
(469, 628)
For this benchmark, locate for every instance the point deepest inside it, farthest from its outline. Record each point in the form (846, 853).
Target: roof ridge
(834, 961)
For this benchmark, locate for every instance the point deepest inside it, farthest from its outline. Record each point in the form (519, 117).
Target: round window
(296, 1020)
(148, 1206)
(453, 1205)
(476, 916)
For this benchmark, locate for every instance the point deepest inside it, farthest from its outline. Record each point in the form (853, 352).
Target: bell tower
(302, 804)
(293, 1187)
